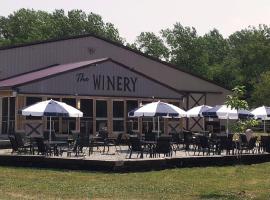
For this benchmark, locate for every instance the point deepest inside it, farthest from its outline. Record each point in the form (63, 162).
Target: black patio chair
(177, 141)
(250, 146)
(42, 148)
(224, 143)
(163, 146)
(13, 143)
(187, 140)
(204, 145)
(135, 145)
(264, 145)
(118, 141)
(23, 146)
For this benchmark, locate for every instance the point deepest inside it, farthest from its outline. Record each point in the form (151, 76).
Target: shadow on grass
(215, 196)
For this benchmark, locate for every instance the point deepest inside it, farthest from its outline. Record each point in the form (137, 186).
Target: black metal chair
(204, 145)
(264, 145)
(250, 146)
(13, 143)
(163, 146)
(42, 148)
(135, 145)
(187, 140)
(22, 145)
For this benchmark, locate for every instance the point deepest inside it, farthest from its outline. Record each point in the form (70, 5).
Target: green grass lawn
(236, 182)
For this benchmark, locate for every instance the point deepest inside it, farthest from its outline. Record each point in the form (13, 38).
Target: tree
(250, 50)
(153, 45)
(236, 101)
(186, 48)
(261, 93)
(27, 25)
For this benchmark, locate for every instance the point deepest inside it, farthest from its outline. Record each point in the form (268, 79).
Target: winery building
(103, 79)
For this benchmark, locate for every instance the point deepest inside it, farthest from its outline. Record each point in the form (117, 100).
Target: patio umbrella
(197, 112)
(51, 108)
(262, 113)
(158, 109)
(226, 112)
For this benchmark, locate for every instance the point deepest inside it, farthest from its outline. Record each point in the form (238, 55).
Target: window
(101, 115)
(86, 122)
(8, 115)
(101, 108)
(30, 101)
(69, 123)
(118, 116)
(132, 123)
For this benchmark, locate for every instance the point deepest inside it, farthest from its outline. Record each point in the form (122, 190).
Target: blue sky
(132, 17)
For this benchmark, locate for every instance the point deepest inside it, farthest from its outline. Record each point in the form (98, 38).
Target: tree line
(243, 58)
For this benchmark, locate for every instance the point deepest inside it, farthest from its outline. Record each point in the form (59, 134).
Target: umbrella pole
(227, 129)
(264, 126)
(50, 136)
(158, 126)
(203, 124)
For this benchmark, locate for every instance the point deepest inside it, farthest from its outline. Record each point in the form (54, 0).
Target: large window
(69, 123)
(132, 123)
(118, 116)
(8, 115)
(86, 106)
(101, 115)
(30, 101)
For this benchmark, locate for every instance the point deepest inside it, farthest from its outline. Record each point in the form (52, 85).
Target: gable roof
(51, 71)
(44, 73)
(116, 44)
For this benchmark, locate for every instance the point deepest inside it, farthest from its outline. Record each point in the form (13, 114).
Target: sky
(132, 17)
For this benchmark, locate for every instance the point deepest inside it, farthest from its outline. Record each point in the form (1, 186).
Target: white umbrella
(262, 113)
(226, 112)
(197, 112)
(51, 108)
(158, 109)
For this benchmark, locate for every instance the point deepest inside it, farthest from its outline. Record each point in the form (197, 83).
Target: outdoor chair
(264, 145)
(135, 145)
(80, 143)
(163, 146)
(177, 141)
(250, 146)
(243, 139)
(42, 148)
(22, 145)
(13, 143)
(118, 141)
(102, 140)
(204, 145)
(224, 143)
(187, 140)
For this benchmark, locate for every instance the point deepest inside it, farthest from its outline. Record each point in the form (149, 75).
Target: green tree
(153, 45)
(250, 52)
(261, 93)
(186, 48)
(236, 101)
(27, 25)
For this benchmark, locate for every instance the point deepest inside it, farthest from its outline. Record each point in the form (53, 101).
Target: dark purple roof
(43, 73)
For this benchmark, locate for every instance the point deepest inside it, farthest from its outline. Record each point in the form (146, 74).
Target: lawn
(236, 182)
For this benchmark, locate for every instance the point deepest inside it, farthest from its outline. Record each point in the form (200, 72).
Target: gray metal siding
(131, 84)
